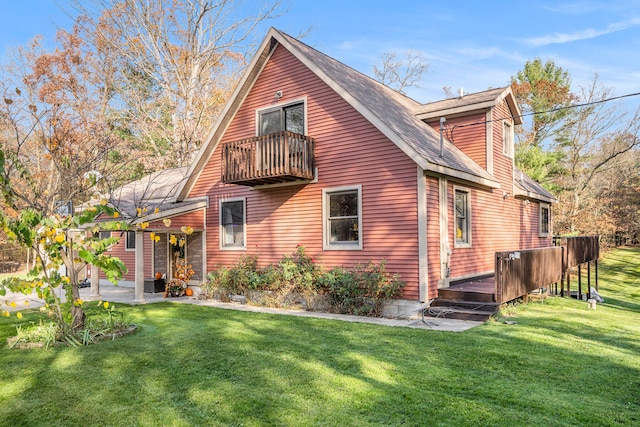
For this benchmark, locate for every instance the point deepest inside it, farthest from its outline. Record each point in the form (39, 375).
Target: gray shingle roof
(395, 112)
(526, 186)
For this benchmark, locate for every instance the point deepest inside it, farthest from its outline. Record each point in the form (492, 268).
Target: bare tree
(178, 61)
(401, 73)
(593, 136)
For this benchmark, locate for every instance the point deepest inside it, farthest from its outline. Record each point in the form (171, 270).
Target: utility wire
(553, 110)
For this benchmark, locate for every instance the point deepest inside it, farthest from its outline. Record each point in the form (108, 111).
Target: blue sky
(470, 44)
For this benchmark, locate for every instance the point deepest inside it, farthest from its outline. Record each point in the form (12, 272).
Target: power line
(553, 110)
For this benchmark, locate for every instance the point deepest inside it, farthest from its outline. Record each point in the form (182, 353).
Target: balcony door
(288, 117)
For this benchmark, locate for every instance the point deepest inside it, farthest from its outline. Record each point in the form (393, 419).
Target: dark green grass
(559, 364)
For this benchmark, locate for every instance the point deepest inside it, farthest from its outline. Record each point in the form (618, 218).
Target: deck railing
(279, 157)
(521, 272)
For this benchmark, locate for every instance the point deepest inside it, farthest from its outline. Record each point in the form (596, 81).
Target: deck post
(589, 280)
(579, 281)
(596, 266)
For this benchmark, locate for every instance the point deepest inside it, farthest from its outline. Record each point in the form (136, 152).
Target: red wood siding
(499, 223)
(128, 257)
(468, 133)
(349, 151)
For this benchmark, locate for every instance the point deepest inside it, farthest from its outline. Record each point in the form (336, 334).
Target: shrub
(361, 291)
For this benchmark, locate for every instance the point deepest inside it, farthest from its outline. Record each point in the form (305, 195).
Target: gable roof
(528, 187)
(474, 101)
(157, 190)
(391, 113)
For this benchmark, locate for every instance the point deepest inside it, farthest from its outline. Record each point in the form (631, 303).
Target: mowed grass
(558, 364)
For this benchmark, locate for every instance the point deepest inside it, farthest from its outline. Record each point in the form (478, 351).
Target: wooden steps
(469, 300)
(463, 310)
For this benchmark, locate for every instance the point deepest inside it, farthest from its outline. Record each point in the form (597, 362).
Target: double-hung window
(507, 139)
(233, 222)
(131, 240)
(342, 218)
(462, 208)
(287, 117)
(544, 227)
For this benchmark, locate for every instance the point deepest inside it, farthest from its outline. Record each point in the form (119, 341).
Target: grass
(560, 364)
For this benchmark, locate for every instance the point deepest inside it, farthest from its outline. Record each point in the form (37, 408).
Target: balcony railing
(268, 159)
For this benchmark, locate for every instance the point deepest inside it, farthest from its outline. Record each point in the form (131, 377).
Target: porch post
(95, 281)
(139, 278)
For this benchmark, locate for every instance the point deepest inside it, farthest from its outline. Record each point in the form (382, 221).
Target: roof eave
(531, 195)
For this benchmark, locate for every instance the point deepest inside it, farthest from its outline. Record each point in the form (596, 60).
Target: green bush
(362, 290)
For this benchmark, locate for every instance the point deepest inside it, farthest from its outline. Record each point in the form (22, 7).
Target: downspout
(442, 120)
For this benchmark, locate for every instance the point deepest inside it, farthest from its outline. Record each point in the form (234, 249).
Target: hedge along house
(309, 151)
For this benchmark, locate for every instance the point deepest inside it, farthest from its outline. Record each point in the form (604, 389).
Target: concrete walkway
(125, 295)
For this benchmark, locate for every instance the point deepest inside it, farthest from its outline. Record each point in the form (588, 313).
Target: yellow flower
(60, 238)
(156, 239)
(186, 230)
(116, 214)
(104, 202)
(144, 225)
(156, 210)
(139, 211)
(78, 302)
(173, 240)
(13, 304)
(167, 222)
(26, 302)
(152, 236)
(100, 303)
(19, 315)
(106, 304)
(66, 279)
(5, 313)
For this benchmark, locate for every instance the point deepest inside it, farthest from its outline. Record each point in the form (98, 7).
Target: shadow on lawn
(205, 366)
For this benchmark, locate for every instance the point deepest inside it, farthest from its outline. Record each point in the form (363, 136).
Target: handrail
(282, 156)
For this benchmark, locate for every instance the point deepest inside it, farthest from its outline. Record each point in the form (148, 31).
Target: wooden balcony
(268, 159)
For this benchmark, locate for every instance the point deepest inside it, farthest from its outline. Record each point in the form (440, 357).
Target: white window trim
(467, 244)
(540, 207)
(508, 147)
(244, 228)
(126, 240)
(279, 106)
(326, 244)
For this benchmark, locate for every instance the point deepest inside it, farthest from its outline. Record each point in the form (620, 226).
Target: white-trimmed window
(507, 138)
(462, 212)
(544, 227)
(283, 117)
(130, 240)
(342, 218)
(233, 220)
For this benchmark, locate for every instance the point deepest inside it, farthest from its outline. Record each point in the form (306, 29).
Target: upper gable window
(544, 226)
(507, 138)
(286, 117)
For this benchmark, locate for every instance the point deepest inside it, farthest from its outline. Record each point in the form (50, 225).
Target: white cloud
(591, 33)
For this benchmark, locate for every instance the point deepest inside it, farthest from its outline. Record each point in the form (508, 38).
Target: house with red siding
(309, 151)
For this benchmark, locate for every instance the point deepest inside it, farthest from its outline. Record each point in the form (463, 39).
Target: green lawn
(559, 364)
